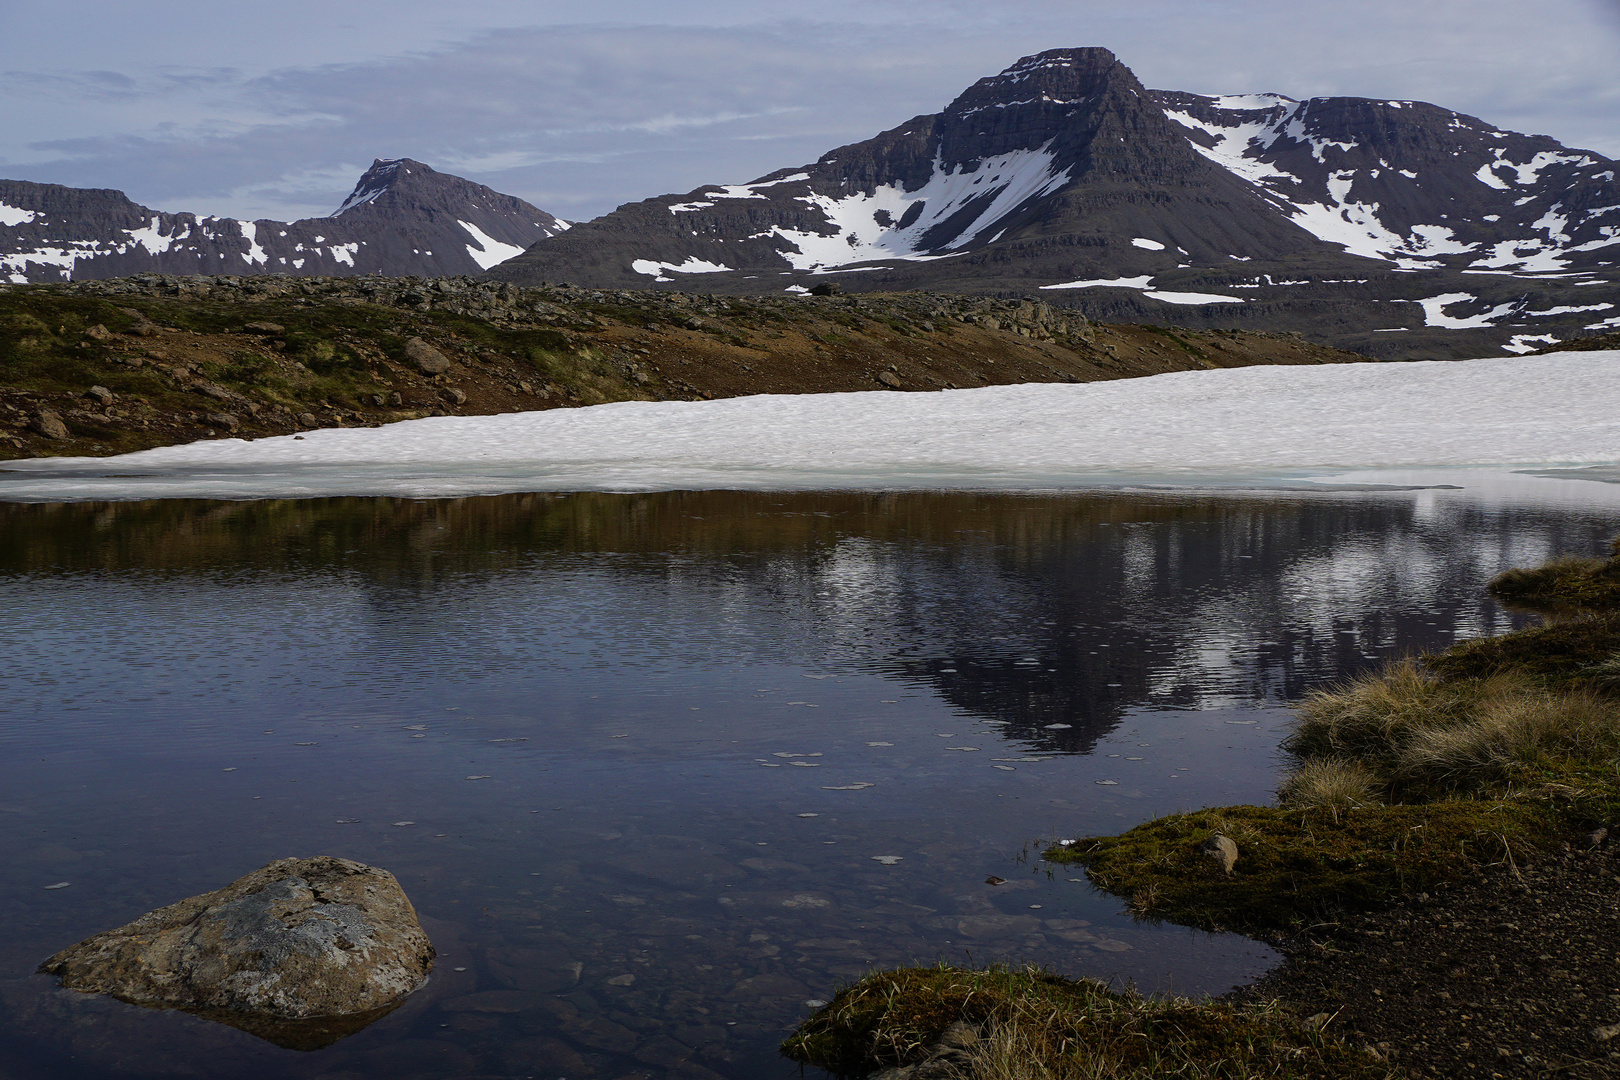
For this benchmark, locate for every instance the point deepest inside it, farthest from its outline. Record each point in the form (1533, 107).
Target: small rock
(99, 333)
(1598, 835)
(265, 328)
(101, 395)
(452, 395)
(889, 378)
(1605, 1033)
(306, 419)
(224, 420)
(428, 360)
(959, 1036)
(1223, 850)
(49, 424)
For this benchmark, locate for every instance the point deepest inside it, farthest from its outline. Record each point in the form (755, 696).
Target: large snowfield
(1491, 425)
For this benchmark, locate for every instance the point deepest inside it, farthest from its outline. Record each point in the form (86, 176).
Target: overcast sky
(274, 109)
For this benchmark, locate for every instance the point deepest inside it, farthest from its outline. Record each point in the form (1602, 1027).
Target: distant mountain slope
(403, 218)
(1412, 183)
(1391, 228)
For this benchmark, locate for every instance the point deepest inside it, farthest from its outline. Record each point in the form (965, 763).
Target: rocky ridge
(103, 367)
(402, 218)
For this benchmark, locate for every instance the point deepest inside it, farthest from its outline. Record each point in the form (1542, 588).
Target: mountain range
(402, 218)
(1387, 227)
(1393, 228)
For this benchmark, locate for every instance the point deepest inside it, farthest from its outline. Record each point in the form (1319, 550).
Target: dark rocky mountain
(403, 218)
(1393, 228)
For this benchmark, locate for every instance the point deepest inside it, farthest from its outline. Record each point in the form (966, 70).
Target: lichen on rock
(288, 952)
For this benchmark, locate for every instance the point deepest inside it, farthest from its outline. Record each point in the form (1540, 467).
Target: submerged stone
(301, 952)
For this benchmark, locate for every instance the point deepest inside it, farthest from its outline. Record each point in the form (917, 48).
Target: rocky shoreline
(1509, 973)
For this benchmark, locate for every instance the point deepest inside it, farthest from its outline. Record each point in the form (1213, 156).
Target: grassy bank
(1492, 754)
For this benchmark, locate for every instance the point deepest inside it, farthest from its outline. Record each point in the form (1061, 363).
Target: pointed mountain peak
(385, 175)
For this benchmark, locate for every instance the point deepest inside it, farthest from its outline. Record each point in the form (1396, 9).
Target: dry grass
(1334, 782)
(1038, 1026)
(1506, 736)
(1404, 735)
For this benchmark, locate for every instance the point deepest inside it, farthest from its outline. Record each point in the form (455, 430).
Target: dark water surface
(635, 758)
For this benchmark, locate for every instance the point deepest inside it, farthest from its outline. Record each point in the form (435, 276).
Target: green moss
(1073, 1027)
(1564, 655)
(1297, 867)
(1570, 584)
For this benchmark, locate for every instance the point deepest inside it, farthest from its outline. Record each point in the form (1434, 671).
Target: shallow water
(657, 770)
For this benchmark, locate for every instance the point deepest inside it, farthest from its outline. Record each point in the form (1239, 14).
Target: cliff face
(402, 218)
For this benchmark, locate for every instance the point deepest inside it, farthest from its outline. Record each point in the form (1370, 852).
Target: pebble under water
(660, 772)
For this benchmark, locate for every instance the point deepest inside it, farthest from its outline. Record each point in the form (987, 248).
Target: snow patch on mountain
(1434, 312)
(1142, 284)
(485, 250)
(16, 215)
(254, 253)
(660, 271)
(891, 222)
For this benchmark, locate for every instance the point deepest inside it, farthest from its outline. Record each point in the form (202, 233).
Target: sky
(257, 110)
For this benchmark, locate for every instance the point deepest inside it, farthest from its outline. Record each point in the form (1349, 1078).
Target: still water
(658, 770)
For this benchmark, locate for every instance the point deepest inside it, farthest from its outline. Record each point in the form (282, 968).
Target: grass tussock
(1330, 782)
(1035, 1025)
(1410, 736)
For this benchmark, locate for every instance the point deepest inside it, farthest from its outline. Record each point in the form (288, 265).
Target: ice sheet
(1251, 426)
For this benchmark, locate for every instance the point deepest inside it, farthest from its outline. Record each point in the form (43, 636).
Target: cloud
(655, 98)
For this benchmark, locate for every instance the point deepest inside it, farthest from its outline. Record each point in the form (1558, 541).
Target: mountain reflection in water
(739, 746)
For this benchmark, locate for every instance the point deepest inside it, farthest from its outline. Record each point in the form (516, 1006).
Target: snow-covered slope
(1251, 426)
(1412, 183)
(403, 218)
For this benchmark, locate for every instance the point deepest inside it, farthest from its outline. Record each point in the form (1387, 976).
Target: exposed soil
(1514, 972)
(178, 359)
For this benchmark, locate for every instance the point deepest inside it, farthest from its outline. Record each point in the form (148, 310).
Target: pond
(659, 770)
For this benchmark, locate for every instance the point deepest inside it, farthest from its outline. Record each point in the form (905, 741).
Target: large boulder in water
(301, 952)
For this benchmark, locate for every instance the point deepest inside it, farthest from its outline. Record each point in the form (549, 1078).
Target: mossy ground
(1071, 1028)
(1297, 868)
